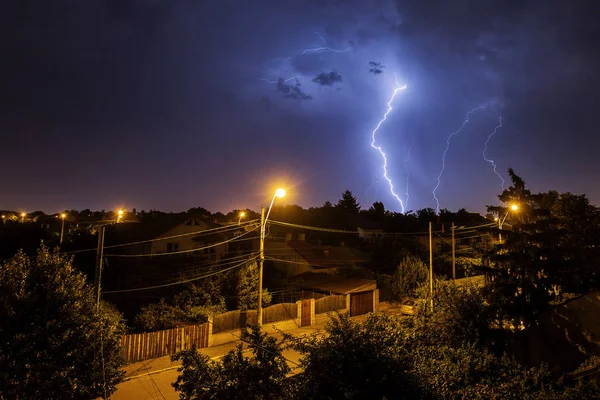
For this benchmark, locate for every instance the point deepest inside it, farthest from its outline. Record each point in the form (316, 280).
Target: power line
(178, 282)
(183, 251)
(197, 233)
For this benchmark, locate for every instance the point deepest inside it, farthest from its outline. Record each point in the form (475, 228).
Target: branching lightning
(324, 47)
(439, 178)
(285, 80)
(486, 147)
(378, 148)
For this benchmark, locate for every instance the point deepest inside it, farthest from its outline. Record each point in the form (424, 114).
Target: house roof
(333, 283)
(150, 227)
(328, 256)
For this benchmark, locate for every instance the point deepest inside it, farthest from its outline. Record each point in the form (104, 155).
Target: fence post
(313, 318)
(348, 303)
(209, 329)
(375, 299)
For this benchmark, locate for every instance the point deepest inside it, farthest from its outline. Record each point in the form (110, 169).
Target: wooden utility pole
(431, 264)
(99, 257)
(260, 266)
(453, 255)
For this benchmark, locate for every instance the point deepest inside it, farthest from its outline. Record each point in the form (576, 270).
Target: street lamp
(263, 223)
(513, 207)
(62, 226)
(242, 215)
(23, 217)
(119, 216)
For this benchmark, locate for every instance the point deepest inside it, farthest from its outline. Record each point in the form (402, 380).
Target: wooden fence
(233, 320)
(143, 346)
(330, 303)
(280, 312)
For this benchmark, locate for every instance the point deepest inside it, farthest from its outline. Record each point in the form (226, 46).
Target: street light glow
(63, 215)
(120, 212)
(242, 214)
(23, 215)
(514, 207)
(280, 192)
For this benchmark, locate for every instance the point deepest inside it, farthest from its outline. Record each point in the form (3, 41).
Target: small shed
(363, 293)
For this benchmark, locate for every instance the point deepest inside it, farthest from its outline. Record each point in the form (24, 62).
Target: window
(172, 247)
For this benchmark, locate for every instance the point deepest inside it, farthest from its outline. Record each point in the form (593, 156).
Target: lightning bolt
(281, 61)
(325, 47)
(439, 178)
(271, 81)
(486, 147)
(374, 182)
(407, 171)
(378, 148)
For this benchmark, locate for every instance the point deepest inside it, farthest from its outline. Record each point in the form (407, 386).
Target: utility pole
(62, 227)
(453, 255)
(431, 264)
(260, 266)
(99, 257)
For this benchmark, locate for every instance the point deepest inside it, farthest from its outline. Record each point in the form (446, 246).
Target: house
(296, 256)
(369, 233)
(171, 233)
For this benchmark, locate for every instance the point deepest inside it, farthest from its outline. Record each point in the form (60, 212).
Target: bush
(54, 342)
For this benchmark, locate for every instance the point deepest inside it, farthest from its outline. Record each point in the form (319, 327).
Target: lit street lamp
(23, 217)
(514, 207)
(62, 226)
(119, 216)
(242, 215)
(263, 223)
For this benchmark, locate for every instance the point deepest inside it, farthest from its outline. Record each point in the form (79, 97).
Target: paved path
(152, 379)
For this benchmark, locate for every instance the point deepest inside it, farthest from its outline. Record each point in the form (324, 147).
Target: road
(157, 386)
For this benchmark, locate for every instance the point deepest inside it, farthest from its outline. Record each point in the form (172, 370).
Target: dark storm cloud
(179, 82)
(292, 91)
(376, 68)
(328, 78)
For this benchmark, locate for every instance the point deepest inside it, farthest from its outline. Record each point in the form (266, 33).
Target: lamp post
(23, 217)
(263, 222)
(513, 207)
(3, 219)
(62, 226)
(242, 215)
(119, 216)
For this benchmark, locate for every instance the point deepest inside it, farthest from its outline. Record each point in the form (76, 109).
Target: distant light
(514, 207)
(280, 192)
(496, 218)
(4, 216)
(242, 214)
(63, 215)
(23, 215)
(120, 212)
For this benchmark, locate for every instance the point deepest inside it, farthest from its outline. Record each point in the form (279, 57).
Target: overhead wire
(196, 249)
(176, 283)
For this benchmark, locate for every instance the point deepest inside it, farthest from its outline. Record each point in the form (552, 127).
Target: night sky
(173, 104)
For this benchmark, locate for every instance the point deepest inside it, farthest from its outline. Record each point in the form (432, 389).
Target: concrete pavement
(152, 379)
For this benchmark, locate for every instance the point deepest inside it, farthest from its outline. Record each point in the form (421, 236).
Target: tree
(348, 203)
(54, 342)
(552, 244)
(235, 376)
(193, 304)
(247, 288)
(409, 276)
(377, 209)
